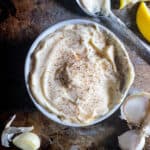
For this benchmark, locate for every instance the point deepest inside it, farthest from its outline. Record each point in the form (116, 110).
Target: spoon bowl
(104, 8)
(108, 19)
(85, 10)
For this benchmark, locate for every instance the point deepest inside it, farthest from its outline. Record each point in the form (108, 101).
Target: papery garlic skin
(134, 109)
(132, 140)
(9, 132)
(97, 6)
(146, 125)
(27, 141)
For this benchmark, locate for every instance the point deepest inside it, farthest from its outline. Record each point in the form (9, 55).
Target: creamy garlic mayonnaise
(74, 74)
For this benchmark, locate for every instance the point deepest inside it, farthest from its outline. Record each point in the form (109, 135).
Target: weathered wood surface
(20, 23)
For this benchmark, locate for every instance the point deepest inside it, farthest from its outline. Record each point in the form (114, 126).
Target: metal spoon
(108, 19)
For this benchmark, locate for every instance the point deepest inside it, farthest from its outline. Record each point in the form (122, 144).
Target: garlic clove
(95, 6)
(132, 140)
(10, 122)
(146, 125)
(9, 132)
(146, 130)
(135, 108)
(27, 141)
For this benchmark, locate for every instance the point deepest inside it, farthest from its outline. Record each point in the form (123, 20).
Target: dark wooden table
(20, 23)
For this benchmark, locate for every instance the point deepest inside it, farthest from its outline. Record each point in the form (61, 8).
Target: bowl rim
(41, 36)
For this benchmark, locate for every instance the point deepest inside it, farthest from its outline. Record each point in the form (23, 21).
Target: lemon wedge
(123, 3)
(143, 20)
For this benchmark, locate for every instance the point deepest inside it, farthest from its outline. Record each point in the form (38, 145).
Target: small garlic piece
(9, 132)
(27, 141)
(96, 6)
(132, 140)
(146, 125)
(135, 108)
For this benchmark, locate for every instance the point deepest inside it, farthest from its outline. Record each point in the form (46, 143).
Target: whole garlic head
(136, 111)
(132, 140)
(27, 141)
(135, 108)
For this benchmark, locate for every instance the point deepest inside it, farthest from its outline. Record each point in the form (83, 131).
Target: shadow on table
(6, 7)
(72, 6)
(14, 92)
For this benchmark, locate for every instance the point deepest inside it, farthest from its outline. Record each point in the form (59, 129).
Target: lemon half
(124, 3)
(143, 20)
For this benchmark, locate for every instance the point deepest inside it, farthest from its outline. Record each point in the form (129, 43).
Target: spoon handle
(126, 35)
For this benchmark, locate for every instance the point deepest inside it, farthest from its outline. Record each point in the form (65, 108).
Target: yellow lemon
(123, 3)
(143, 20)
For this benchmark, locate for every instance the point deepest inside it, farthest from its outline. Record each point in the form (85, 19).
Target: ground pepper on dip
(74, 74)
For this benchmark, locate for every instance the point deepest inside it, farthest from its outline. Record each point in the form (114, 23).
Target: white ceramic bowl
(28, 64)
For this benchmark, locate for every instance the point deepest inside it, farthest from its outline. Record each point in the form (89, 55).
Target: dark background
(20, 23)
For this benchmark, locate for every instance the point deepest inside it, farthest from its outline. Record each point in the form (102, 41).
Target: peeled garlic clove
(96, 6)
(132, 140)
(135, 108)
(27, 141)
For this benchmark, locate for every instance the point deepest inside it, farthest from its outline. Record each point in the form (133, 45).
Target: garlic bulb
(132, 140)
(135, 108)
(136, 111)
(27, 141)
